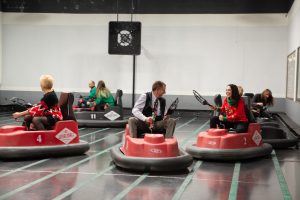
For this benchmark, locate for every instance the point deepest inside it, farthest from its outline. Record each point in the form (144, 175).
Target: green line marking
(283, 185)
(24, 167)
(77, 187)
(98, 131)
(186, 181)
(194, 133)
(13, 192)
(106, 137)
(130, 187)
(234, 182)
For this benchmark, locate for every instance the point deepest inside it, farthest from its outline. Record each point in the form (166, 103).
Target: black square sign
(124, 38)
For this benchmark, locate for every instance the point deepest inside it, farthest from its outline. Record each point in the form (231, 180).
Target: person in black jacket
(149, 113)
(261, 102)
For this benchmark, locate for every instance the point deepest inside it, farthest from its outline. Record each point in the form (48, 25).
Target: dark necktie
(155, 106)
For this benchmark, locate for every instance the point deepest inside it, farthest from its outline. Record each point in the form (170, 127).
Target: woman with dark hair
(261, 102)
(232, 112)
(104, 97)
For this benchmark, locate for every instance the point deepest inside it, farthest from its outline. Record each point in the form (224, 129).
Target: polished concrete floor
(94, 176)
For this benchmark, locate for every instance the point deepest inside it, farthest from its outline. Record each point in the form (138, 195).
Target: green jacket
(102, 100)
(92, 94)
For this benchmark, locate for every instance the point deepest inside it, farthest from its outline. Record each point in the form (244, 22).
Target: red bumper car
(63, 140)
(220, 144)
(151, 153)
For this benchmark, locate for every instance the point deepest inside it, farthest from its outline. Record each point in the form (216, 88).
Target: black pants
(239, 127)
(39, 123)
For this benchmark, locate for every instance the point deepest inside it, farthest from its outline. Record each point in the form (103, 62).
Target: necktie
(155, 107)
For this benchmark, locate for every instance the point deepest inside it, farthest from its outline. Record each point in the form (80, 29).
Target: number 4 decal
(39, 138)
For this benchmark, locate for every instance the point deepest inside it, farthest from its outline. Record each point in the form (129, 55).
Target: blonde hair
(241, 90)
(46, 81)
(102, 91)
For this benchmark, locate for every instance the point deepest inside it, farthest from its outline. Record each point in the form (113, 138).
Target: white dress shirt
(139, 105)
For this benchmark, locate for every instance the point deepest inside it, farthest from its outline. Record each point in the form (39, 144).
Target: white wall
(292, 108)
(202, 52)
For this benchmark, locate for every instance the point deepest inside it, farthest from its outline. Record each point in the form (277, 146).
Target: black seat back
(218, 103)
(248, 112)
(250, 95)
(66, 101)
(118, 98)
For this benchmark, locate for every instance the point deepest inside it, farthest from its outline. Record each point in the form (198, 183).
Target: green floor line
(130, 187)
(98, 131)
(194, 133)
(112, 135)
(186, 181)
(283, 185)
(234, 182)
(77, 187)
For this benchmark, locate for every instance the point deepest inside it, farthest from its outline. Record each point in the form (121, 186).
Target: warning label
(256, 137)
(66, 135)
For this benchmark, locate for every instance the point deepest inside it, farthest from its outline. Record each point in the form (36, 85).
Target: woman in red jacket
(45, 114)
(232, 112)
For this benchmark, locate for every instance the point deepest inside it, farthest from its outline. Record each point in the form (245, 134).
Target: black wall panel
(148, 6)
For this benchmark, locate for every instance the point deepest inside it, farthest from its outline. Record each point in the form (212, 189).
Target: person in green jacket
(87, 101)
(104, 98)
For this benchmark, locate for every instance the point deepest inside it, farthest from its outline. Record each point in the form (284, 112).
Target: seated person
(241, 90)
(149, 113)
(45, 114)
(261, 102)
(233, 110)
(82, 103)
(104, 98)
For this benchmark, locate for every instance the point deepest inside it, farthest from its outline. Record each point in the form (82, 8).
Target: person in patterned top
(232, 112)
(47, 112)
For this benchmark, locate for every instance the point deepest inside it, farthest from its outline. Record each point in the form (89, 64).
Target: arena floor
(94, 176)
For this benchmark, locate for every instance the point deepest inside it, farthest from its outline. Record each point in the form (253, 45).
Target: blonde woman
(104, 97)
(46, 113)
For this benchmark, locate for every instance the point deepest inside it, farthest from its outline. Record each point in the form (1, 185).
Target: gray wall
(186, 102)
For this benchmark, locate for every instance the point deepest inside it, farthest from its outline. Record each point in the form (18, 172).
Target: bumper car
(221, 144)
(151, 153)
(272, 133)
(227, 145)
(18, 143)
(111, 117)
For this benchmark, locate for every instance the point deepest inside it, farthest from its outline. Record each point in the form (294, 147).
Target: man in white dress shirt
(149, 113)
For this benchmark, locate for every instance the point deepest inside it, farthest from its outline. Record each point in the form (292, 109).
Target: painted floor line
(130, 187)
(186, 181)
(77, 187)
(235, 181)
(283, 185)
